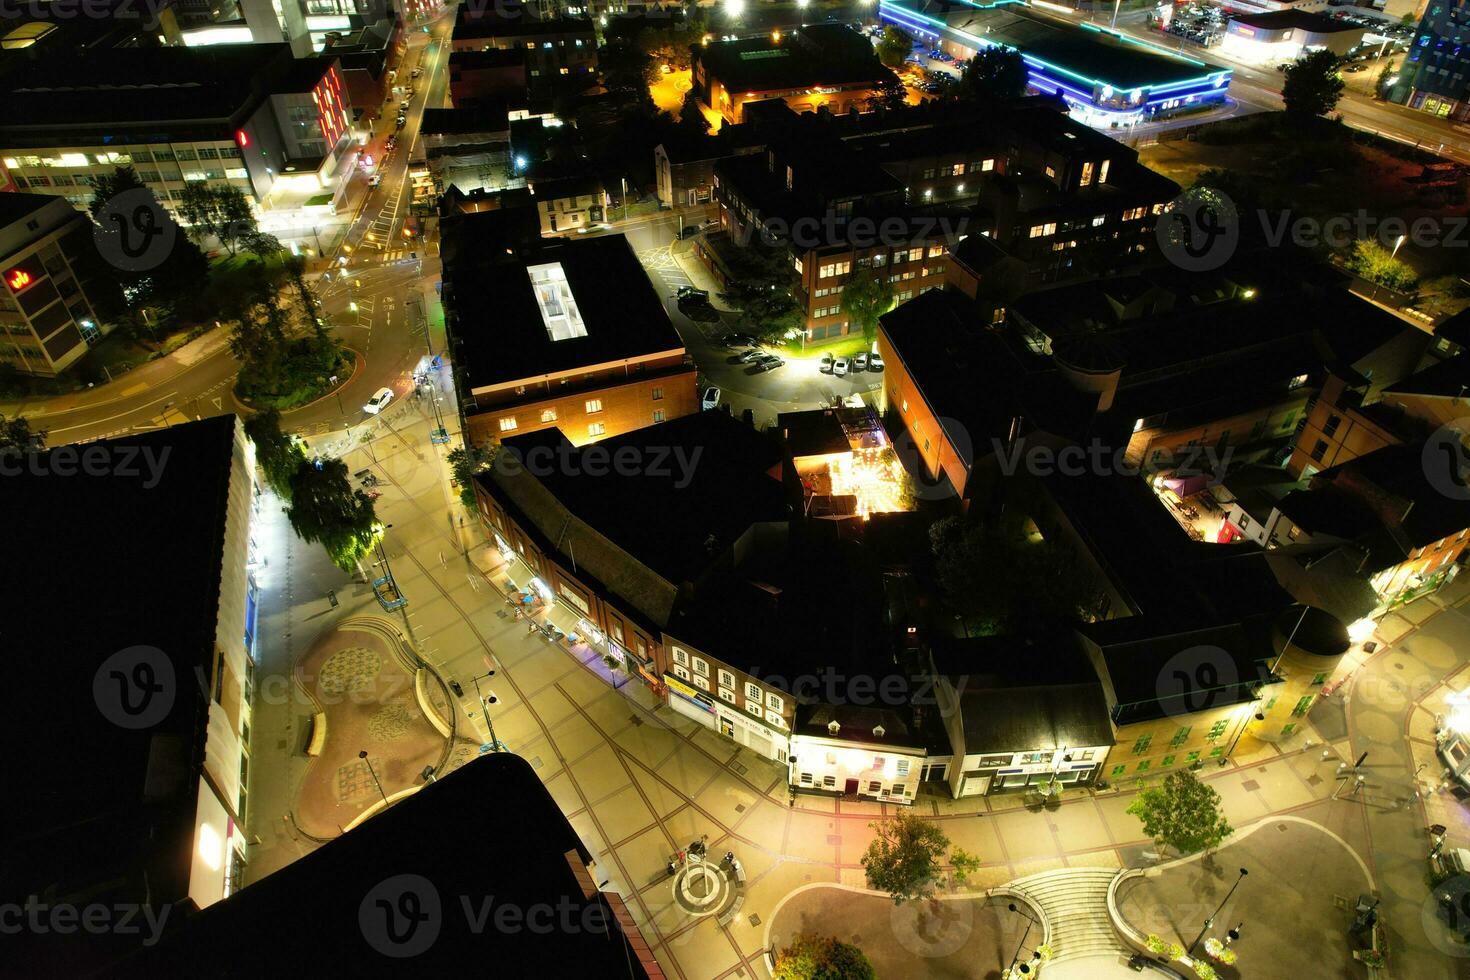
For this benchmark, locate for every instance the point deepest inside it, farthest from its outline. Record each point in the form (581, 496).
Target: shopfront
(690, 703)
(1009, 772)
(755, 736)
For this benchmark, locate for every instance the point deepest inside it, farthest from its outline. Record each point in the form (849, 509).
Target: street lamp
(1211, 920)
(1396, 245)
(1024, 968)
(364, 757)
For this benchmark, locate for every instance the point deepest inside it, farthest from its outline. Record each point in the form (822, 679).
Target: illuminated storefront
(1138, 81)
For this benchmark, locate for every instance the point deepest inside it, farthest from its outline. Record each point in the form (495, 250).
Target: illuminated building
(827, 66)
(1435, 75)
(560, 51)
(1106, 78)
(47, 314)
(249, 115)
(145, 799)
(1285, 35)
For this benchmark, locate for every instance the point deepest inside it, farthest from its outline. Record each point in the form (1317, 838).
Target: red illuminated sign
(17, 279)
(242, 138)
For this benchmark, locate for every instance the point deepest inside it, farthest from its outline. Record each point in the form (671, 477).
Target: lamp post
(1239, 732)
(486, 700)
(1211, 920)
(364, 757)
(1025, 967)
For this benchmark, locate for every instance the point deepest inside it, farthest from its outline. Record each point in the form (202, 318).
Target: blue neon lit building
(1107, 79)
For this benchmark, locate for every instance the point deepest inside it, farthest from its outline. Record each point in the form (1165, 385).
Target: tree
(177, 279)
(760, 288)
(464, 463)
(691, 117)
(325, 509)
(279, 455)
(1002, 582)
(894, 46)
(813, 957)
(964, 864)
(16, 434)
(221, 211)
(1313, 85)
(1384, 75)
(904, 859)
(626, 67)
(865, 297)
(1182, 813)
(994, 74)
(105, 187)
(1377, 264)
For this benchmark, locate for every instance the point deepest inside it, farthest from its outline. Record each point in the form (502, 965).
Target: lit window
(1133, 214)
(658, 393)
(1102, 173)
(1051, 172)
(753, 692)
(727, 679)
(594, 405)
(680, 656)
(596, 429)
(1098, 219)
(507, 424)
(727, 695)
(958, 170)
(935, 251)
(774, 702)
(701, 667)
(658, 415)
(548, 415)
(681, 672)
(754, 707)
(988, 165)
(1086, 174)
(566, 71)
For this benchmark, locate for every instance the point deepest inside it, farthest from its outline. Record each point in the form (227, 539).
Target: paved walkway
(957, 937)
(1426, 643)
(1293, 908)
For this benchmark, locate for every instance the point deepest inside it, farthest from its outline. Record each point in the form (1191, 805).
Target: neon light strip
(923, 22)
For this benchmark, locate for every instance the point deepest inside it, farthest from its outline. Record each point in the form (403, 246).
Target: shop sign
(688, 693)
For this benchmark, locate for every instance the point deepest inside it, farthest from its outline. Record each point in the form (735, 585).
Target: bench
(318, 738)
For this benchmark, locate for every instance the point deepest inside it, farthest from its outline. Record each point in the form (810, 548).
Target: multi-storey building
(560, 50)
(1435, 75)
(560, 333)
(820, 66)
(49, 309)
(159, 707)
(249, 115)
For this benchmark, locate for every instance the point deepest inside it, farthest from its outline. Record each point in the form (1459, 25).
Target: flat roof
(819, 54)
(1086, 54)
(19, 205)
(521, 853)
(510, 18)
(111, 562)
(499, 322)
(1281, 20)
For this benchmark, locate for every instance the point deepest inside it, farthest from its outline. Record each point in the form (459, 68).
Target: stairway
(1074, 905)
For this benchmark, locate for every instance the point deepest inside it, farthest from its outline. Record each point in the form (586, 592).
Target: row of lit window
(592, 406)
(113, 159)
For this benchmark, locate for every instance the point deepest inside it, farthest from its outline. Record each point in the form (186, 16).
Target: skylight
(558, 306)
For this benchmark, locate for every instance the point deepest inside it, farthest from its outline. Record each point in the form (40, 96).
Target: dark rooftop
(511, 18)
(1092, 54)
(818, 54)
(321, 912)
(108, 803)
(18, 205)
(484, 117)
(1301, 20)
(498, 319)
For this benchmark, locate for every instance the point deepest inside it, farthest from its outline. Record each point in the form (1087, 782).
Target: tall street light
(364, 757)
(1211, 920)
(1024, 968)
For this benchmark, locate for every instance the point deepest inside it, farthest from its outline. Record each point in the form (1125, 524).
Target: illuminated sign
(242, 138)
(17, 279)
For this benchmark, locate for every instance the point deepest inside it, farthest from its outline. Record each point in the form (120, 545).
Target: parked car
(689, 231)
(691, 294)
(769, 363)
(875, 362)
(375, 180)
(825, 364)
(737, 340)
(840, 367)
(400, 121)
(403, 104)
(750, 356)
(379, 401)
(860, 362)
(709, 398)
(1356, 66)
(415, 73)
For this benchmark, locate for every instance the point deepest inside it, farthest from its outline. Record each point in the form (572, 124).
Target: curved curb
(359, 365)
(1134, 936)
(989, 893)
